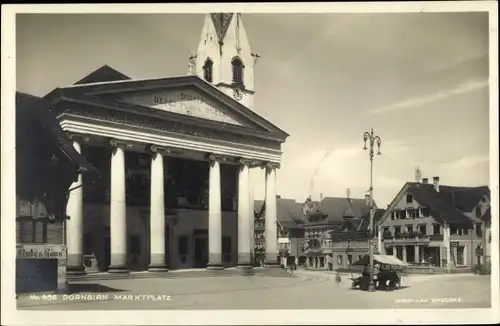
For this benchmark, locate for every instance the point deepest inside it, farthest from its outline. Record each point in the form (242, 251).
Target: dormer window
(409, 199)
(237, 71)
(479, 212)
(208, 70)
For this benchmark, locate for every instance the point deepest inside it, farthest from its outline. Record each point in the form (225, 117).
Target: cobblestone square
(309, 290)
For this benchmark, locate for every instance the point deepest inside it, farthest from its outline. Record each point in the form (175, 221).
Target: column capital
(270, 165)
(120, 143)
(155, 149)
(79, 138)
(216, 157)
(248, 162)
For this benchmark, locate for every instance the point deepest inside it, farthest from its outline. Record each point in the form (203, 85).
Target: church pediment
(186, 101)
(172, 99)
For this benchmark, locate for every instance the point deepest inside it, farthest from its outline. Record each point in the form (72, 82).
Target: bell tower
(224, 57)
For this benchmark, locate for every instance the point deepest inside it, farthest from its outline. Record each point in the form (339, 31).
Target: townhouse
(290, 220)
(337, 231)
(437, 225)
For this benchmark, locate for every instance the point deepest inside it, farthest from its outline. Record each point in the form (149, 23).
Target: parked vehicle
(385, 273)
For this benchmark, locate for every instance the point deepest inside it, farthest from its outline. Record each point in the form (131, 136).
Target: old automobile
(386, 273)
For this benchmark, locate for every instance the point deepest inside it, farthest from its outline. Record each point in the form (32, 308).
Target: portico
(167, 121)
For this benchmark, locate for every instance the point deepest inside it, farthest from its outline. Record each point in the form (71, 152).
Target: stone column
(395, 251)
(215, 214)
(251, 227)
(417, 254)
(244, 216)
(157, 211)
(446, 245)
(271, 214)
(74, 226)
(118, 209)
(404, 254)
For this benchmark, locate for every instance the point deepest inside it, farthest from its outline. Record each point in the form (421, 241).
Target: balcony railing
(436, 237)
(407, 237)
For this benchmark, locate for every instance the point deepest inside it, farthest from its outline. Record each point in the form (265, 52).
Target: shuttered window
(38, 231)
(55, 233)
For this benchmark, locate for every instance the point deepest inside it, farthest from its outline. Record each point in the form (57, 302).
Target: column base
(157, 268)
(215, 266)
(118, 269)
(76, 270)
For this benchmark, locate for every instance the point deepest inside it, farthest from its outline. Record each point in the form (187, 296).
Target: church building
(175, 155)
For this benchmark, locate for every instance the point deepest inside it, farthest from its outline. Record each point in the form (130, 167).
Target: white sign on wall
(46, 252)
(184, 102)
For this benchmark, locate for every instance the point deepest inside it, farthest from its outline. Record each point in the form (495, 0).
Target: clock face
(238, 94)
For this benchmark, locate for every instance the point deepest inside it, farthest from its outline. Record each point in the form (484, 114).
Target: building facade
(336, 231)
(436, 225)
(46, 165)
(175, 154)
(290, 233)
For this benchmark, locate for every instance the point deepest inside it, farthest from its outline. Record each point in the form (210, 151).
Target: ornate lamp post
(374, 141)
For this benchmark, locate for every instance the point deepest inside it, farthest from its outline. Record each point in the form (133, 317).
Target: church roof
(221, 22)
(103, 74)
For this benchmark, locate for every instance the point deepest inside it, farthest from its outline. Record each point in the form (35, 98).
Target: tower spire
(224, 57)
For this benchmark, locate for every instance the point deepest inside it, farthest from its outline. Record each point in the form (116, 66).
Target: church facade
(175, 154)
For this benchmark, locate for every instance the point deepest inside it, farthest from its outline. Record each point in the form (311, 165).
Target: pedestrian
(338, 279)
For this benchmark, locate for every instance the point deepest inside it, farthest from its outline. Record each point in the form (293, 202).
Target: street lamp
(374, 141)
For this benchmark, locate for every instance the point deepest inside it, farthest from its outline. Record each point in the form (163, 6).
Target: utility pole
(374, 141)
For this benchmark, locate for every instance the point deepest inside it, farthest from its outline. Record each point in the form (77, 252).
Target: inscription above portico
(186, 102)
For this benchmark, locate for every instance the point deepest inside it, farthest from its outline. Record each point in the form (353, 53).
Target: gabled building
(435, 224)
(47, 164)
(336, 231)
(290, 220)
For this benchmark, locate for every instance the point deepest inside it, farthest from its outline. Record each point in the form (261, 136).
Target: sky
(420, 80)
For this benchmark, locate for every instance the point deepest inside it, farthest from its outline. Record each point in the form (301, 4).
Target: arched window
(237, 71)
(208, 69)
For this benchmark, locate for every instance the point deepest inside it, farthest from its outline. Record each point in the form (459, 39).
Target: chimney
(425, 181)
(367, 200)
(436, 183)
(321, 197)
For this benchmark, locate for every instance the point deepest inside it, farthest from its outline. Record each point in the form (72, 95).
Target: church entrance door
(200, 251)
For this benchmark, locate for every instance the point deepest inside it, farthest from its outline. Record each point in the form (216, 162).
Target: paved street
(309, 290)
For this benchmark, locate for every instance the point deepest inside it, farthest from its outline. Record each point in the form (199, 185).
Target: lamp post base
(371, 287)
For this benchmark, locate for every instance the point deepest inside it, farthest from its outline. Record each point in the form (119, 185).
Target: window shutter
(40, 231)
(18, 231)
(26, 231)
(55, 232)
